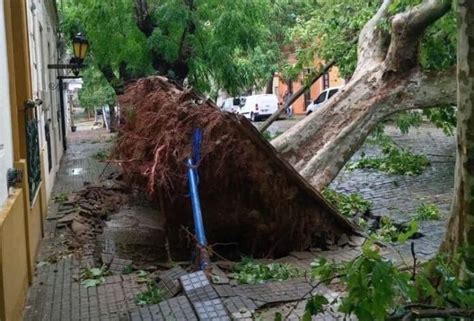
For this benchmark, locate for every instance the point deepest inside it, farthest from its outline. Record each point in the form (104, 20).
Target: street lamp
(80, 46)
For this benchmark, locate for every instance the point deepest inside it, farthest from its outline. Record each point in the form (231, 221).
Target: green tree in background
(96, 91)
(225, 44)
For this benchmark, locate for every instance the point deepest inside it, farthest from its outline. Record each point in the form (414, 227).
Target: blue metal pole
(196, 204)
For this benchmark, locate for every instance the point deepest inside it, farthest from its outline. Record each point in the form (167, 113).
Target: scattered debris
(349, 205)
(83, 214)
(61, 198)
(394, 160)
(91, 277)
(250, 272)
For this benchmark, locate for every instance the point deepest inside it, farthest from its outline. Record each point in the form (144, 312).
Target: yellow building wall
(13, 258)
(33, 219)
(20, 220)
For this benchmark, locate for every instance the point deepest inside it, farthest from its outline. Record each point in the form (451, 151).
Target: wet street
(399, 196)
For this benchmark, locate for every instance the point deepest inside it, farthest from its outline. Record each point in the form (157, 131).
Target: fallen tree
(388, 79)
(252, 200)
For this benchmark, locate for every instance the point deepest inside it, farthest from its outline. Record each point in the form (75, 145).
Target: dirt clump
(89, 209)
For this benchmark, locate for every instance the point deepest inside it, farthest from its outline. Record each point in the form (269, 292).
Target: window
(321, 98)
(332, 92)
(326, 81)
(235, 102)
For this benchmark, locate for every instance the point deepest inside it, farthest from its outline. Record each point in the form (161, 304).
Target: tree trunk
(269, 86)
(460, 232)
(320, 145)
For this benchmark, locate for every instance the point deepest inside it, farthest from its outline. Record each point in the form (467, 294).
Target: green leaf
(92, 282)
(363, 314)
(412, 230)
(307, 316)
(315, 304)
(95, 272)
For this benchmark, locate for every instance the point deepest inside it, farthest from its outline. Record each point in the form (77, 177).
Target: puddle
(76, 171)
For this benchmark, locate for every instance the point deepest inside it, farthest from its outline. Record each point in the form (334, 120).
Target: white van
(258, 107)
(322, 98)
(231, 105)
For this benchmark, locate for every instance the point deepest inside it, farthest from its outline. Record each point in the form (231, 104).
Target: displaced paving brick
(174, 273)
(168, 287)
(240, 305)
(193, 281)
(212, 310)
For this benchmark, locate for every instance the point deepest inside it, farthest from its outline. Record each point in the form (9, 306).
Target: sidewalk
(56, 293)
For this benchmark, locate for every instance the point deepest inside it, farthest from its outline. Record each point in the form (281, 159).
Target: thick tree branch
(417, 314)
(319, 145)
(426, 89)
(144, 20)
(407, 32)
(373, 40)
(189, 29)
(117, 83)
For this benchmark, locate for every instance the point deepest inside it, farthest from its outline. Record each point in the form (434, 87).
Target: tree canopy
(333, 24)
(96, 91)
(214, 44)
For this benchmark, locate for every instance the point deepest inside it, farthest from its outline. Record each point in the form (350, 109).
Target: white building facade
(44, 49)
(6, 140)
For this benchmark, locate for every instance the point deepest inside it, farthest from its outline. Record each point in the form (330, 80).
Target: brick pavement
(399, 196)
(57, 295)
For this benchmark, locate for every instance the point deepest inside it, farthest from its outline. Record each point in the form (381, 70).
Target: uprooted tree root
(249, 196)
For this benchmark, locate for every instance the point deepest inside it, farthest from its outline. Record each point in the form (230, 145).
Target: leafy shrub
(348, 205)
(128, 270)
(91, 277)
(61, 198)
(152, 295)
(101, 155)
(377, 290)
(389, 232)
(427, 212)
(407, 119)
(394, 161)
(249, 272)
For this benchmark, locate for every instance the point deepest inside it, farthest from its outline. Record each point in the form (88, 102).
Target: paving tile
(168, 287)
(237, 304)
(174, 273)
(211, 310)
(177, 308)
(192, 281)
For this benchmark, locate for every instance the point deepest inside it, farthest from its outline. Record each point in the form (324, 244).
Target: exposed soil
(252, 201)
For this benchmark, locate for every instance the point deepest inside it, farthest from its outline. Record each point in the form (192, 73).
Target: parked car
(231, 105)
(322, 98)
(258, 107)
